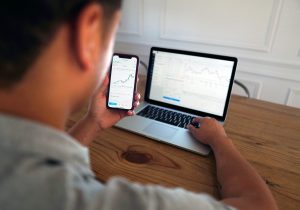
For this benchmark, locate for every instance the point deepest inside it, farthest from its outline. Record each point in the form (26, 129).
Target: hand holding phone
(123, 79)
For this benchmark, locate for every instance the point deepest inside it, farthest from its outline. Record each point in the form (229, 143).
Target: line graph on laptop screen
(193, 82)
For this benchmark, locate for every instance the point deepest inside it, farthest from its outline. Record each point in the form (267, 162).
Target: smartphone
(122, 83)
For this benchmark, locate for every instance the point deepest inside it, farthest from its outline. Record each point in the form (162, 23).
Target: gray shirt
(44, 168)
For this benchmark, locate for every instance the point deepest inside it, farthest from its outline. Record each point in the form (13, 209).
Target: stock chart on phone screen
(122, 82)
(193, 82)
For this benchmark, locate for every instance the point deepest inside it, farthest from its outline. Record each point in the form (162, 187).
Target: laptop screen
(194, 82)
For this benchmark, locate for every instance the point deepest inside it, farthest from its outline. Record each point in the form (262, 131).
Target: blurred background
(263, 34)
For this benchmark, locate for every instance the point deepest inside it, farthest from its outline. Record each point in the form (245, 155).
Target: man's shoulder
(36, 182)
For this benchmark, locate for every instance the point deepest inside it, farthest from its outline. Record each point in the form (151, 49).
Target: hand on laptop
(210, 131)
(99, 113)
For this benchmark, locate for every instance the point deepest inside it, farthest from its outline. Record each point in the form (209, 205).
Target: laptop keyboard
(166, 116)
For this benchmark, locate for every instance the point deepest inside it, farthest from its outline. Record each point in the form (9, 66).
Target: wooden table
(267, 135)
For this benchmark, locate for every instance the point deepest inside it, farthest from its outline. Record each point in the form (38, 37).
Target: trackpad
(157, 129)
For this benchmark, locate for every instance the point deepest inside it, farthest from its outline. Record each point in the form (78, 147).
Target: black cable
(144, 65)
(243, 87)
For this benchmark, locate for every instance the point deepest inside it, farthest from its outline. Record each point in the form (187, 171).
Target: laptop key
(166, 116)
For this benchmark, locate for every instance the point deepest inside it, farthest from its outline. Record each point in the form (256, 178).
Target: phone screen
(122, 81)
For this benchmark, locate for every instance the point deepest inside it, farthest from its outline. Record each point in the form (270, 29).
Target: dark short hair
(28, 26)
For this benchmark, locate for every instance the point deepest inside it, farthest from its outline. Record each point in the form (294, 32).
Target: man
(54, 56)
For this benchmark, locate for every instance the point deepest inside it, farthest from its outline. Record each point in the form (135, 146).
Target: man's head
(27, 27)
(47, 45)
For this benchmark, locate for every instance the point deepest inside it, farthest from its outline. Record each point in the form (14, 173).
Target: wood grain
(267, 135)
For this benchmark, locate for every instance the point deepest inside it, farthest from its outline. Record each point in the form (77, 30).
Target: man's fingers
(136, 104)
(201, 119)
(137, 97)
(130, 113)
(136, 100)
(191, 128)
(198, 120)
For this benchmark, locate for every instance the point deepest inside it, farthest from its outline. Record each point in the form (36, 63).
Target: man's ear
(87, 35)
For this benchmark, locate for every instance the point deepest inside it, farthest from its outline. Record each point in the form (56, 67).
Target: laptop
(182, 85)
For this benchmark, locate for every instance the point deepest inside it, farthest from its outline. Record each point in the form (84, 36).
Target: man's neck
(33, 105)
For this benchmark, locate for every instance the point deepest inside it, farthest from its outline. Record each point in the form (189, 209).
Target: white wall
(263, 34)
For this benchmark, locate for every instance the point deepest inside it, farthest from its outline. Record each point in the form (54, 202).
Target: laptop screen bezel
(183, 109)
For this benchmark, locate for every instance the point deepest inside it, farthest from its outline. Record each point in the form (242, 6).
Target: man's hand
(209, 132)
(98, 112)
(241, 185)
(98, 117)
